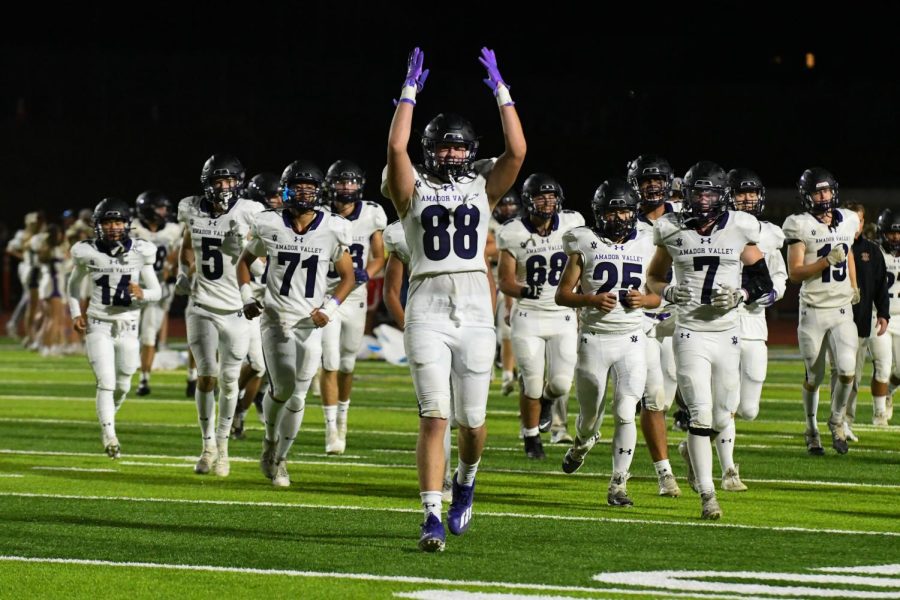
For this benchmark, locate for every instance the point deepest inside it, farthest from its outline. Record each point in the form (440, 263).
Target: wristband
(74, 307)
(247, 294)
(330, 306)
(503, 97)
(408, 94)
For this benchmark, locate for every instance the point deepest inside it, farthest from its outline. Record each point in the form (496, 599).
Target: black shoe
(546, 419)
(191, 388)
(143, 389)
(534, 448)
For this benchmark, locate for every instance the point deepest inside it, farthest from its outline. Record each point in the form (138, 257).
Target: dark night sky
(96, 103)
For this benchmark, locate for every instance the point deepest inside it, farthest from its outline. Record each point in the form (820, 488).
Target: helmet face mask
(818, 191)
(888, 227)
(112, 221)
(344, 183)
(153, 208)
(745, 192)
(651, 177)
(542, 196)
(301, 184)
(449, 147)
(265, 188)
(704, 193)
(615, 206)
(509, 207)
(222, 179)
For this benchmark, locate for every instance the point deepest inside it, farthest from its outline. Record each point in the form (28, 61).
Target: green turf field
(77, 524)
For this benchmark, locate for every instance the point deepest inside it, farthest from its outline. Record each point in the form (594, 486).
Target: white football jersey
(540, 260)
(670, 208)
(217, 242)
(892, 265)
(111, 275)
(165, 240)
(494, 227)
(611, 267)
(830, 288)
(395, 241)
(297, 262)
(446, 225)
(704, 262)
(366, 219)
(771, 239)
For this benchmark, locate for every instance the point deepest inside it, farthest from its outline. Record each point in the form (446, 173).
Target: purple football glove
(767, 300)
(494, 79)
(414, 73)
(361, 275)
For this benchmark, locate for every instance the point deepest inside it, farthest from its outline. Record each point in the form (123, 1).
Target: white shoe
(281, 477)
(112, 449)
(731, 481)
(879, 419)
(222, 468)
(848, 433)
(560, 436)
(617, 494)
(206, 461)
(508, 386)
(267, 459)
(668, 486)
(710, 507)
(333, 442)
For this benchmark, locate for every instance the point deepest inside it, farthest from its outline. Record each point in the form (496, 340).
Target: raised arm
(400, 180)
(506, 169)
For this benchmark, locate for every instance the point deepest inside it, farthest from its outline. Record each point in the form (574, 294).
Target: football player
(819, 258)
(153, 209)
(746, 193)
(341, 339)
(708, 246)
(889, 236)
(216, 225)
(605, 276)
(298, 242)
(509, 207)
(118, 267)
(445, 205)
(544, 334)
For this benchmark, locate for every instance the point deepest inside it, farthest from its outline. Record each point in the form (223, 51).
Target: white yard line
(483, 514)
(86, 470)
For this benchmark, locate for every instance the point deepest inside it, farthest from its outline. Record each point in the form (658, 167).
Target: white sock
(507, 375)
(839, 400)
(725, 447)
(288, 428)
(342, 409)
(271, 411)
(662, 467)
(465, 473)
(623, 443)
(330, 413)
(431, 503)
(192, 374)
(701, 461)
(226, 414)
(531, 431)
(206, 410)
(811, 404)
(880, 403)
(222, 444)
(145, 376)
(106, 414)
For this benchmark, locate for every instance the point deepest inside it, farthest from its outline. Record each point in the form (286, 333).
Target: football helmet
(889, 223)
(346, 171)
(745, 181)
(301, 171)
(813, 180)
(508, 207)
(454, 130)
(222, 166)
(704, 193)
(149, 208)
(650, 167)
(262, 187)
(112, 209)
(613, 196)
(538, 184)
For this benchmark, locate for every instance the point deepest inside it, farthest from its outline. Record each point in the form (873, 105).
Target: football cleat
(560, 436)
(546, 419)
(222, 468)
(432, 537)
(143, 388)
(113, 450)
(534, 448)
(280, 477)
(879, 419)
(848, 433)
(205, 462)
(617, 495)
(668, 486)
(814, 443)
(731, 481)
(333, 442)
(685, 453)
(508, 386)
(575, 455)
(267, 459)
(710, 507)
(838, 440)
(459, 515)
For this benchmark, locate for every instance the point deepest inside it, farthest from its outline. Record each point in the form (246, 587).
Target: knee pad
(470, 417)
(296, 402)
(532, 386)
(625, 410)
(123, 384)
(882, 371)
(701, 419)
(748, 412)
(721, 420)
(558, 385)
(347, 363)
